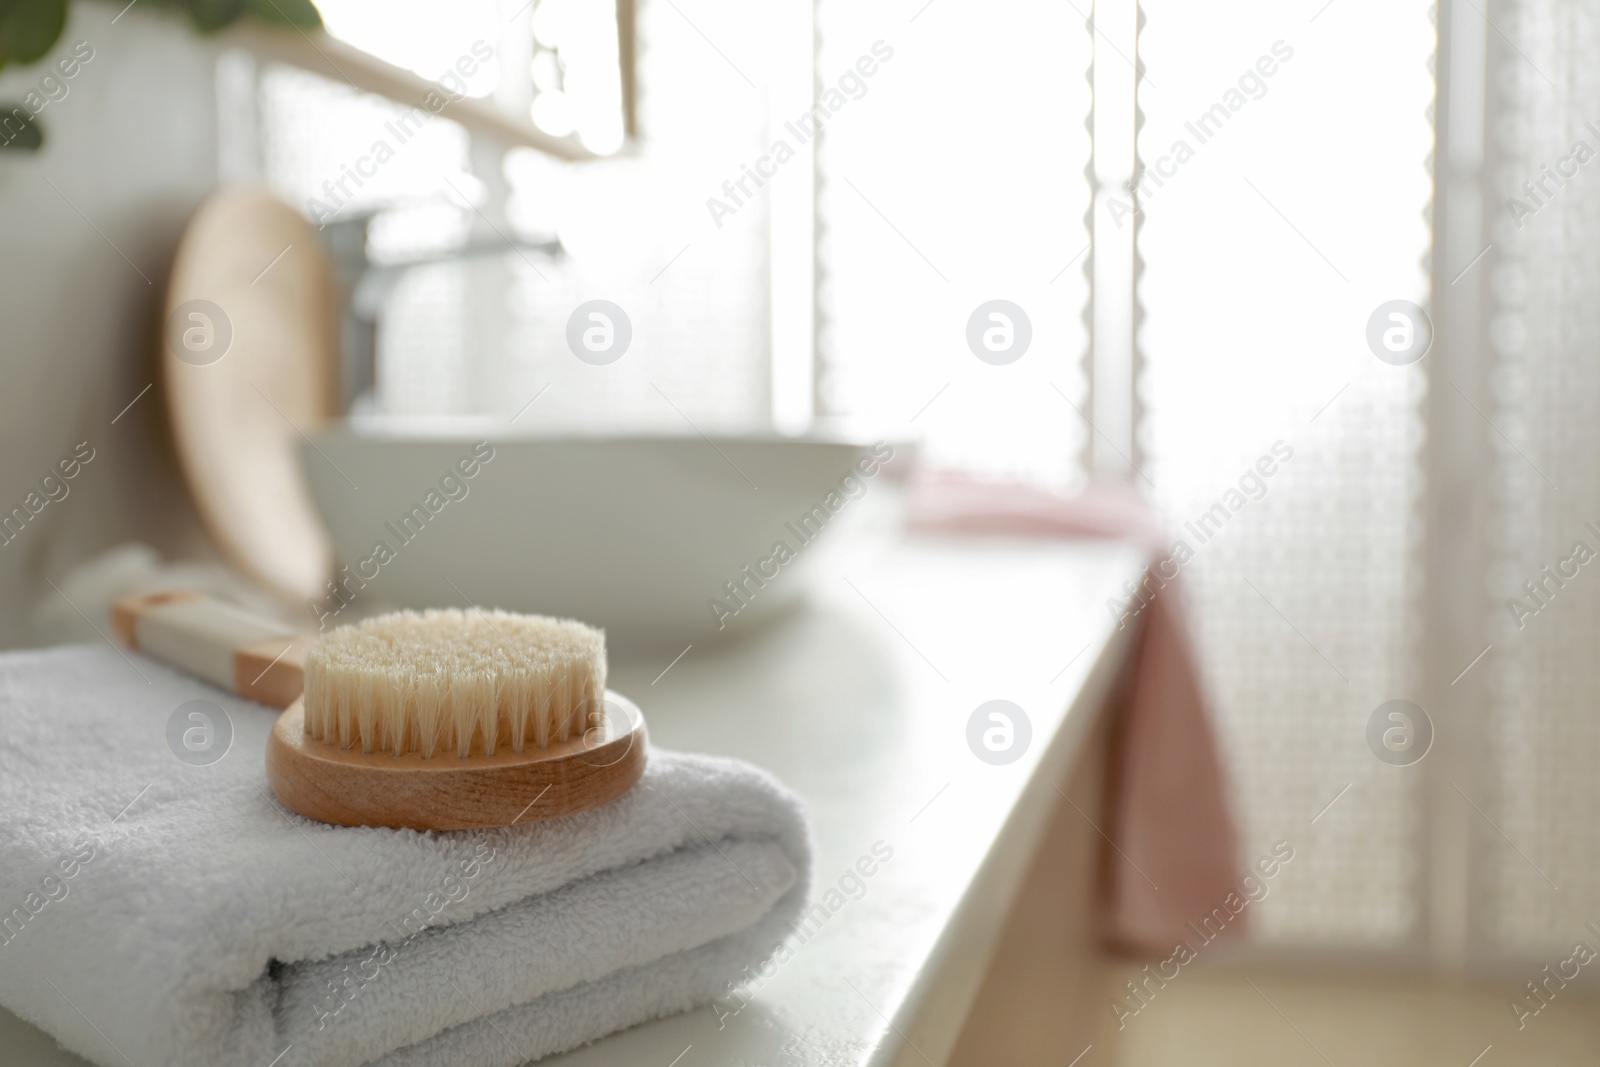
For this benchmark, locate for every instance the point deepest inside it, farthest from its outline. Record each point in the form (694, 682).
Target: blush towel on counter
(158, 912)
(1170, 814)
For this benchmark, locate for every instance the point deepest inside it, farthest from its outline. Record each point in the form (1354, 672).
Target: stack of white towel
(155, 911)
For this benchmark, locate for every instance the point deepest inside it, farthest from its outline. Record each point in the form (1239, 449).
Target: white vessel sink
(637, 534)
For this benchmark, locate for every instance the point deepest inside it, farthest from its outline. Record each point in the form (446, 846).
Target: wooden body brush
(439, 720)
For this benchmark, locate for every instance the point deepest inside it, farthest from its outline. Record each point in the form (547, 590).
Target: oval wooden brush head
(451, 720)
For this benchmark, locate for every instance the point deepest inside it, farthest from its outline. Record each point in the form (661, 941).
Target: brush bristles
(448, 681)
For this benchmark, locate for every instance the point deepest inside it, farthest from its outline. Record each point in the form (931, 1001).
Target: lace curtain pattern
(1543, 604)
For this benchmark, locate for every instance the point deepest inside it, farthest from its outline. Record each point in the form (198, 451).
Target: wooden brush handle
(265, 661)
(257, 658)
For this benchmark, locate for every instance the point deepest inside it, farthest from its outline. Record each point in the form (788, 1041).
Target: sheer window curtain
(1534, 852)
(957, 178)
(1429, 540)
(1232, 325)
(1283, 201)
(1260, 256)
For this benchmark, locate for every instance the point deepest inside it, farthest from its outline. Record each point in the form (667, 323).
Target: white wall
(131, 147)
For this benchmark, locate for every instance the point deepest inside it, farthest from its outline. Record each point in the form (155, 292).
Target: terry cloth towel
(158, 912)
(1170, 820)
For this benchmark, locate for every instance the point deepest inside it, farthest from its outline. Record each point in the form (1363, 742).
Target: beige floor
(1046, 994)
(1220, 1020)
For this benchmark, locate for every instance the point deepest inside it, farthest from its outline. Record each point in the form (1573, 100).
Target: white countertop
(860, 702)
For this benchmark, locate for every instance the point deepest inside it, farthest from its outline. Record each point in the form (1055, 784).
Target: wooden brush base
(349, 788)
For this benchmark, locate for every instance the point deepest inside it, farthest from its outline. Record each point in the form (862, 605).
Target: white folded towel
(159, 912)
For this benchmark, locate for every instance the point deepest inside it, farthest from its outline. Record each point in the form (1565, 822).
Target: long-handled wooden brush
(439, 720)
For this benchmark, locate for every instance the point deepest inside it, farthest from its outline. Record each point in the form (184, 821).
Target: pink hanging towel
(1170, 817)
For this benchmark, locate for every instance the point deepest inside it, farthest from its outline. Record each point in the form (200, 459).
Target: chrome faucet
(367, 286)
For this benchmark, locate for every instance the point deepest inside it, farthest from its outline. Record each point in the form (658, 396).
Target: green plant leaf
(28, 28)
(211, 15)
(19, 131)
(301, 13)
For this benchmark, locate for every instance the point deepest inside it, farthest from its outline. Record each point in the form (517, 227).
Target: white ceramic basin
(636, 534)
